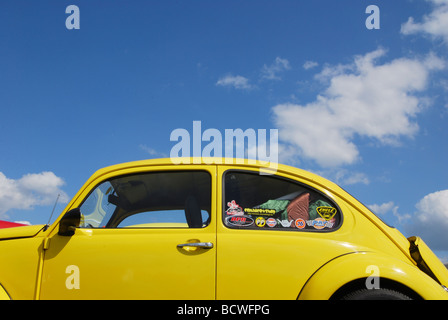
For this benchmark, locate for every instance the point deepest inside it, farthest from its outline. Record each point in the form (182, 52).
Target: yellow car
(211, 229)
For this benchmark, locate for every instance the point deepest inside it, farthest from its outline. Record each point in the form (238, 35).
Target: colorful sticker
(300, 224)
(234, 209)
(320, 223)
(326, 212)
(240, 221)
(260, 222)
(247, 217)
(271, 222)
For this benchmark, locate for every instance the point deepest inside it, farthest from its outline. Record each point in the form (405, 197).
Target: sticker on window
(326, 212)
(300, 212)
(239, 221)
(234, 209)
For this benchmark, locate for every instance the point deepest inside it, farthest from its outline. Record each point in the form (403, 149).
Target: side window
(254, 201)
(173, 199)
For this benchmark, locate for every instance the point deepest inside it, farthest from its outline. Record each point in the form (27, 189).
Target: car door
(143, 235)
(275, 232)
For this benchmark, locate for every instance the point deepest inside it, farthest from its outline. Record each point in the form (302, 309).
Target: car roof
(264, 165)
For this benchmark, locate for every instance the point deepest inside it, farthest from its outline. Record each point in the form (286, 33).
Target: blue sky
(364, 108)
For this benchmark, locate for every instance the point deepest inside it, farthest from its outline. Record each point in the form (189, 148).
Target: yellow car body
(249, 241)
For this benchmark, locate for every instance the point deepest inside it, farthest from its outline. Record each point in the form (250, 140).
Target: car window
(174, 199)
(253, 201)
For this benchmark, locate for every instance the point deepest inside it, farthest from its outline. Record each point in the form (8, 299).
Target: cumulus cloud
(433, 207)
(237, 82)
(430, 221)
(389, 207)
(363, 98)
(273, 71)
(34, 189)
(382, 209)
(435, 24)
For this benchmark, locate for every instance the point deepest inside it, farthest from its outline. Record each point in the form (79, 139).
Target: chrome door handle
(204, 245)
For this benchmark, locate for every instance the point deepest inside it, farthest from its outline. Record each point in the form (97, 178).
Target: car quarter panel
(358, 265)
(276, 264)
(257, 265)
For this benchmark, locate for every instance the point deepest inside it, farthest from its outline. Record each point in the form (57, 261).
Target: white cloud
(346, 177)
(362, 98)
(390, 207)
(435, 24)
(35, 189)
(237, 82)
(342, 177)
(430, 221)
(433, 207)
(272, 72)
(382, 209)
(309, 65)
(152, 152)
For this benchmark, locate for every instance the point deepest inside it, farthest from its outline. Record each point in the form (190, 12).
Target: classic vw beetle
(215, 229)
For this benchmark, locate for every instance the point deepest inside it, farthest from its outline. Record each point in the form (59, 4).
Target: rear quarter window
(253, 201)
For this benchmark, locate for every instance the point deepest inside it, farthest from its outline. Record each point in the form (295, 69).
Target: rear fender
(359, 265)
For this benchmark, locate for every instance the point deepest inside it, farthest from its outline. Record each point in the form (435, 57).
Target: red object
(7, 224)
